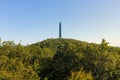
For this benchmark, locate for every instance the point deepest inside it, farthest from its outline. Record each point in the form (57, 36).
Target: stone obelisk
(60, 30)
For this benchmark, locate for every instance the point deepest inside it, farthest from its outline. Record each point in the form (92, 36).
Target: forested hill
(54, 44)
(59, 59)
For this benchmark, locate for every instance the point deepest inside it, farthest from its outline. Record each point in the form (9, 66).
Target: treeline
(59, 59)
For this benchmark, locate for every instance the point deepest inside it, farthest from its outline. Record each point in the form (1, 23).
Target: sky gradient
(35, 20)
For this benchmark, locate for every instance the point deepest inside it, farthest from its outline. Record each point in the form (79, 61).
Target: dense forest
(59, 59)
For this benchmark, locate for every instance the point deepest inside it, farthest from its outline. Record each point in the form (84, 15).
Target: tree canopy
(59, 59)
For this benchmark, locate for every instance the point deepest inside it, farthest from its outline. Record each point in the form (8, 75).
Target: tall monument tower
(60, 30)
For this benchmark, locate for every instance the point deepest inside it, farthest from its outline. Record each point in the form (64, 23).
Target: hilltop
(59, 59)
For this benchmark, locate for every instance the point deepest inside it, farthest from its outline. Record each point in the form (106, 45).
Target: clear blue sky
(35, 20)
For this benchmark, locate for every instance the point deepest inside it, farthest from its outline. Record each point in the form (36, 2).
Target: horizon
(33, 21)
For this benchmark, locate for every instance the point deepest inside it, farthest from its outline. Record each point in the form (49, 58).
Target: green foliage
(80, 75)
(59, 59)
(13, 59)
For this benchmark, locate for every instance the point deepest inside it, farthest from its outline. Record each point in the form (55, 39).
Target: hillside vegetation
(59, 59)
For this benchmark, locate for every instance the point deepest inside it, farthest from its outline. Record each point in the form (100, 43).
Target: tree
(80, 75)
